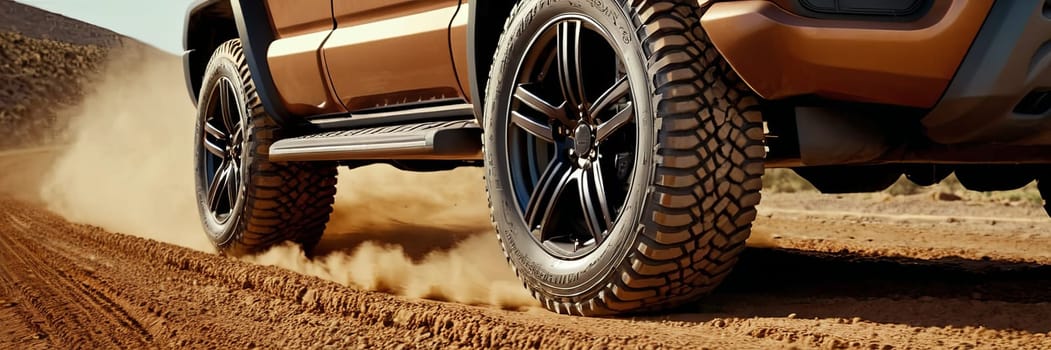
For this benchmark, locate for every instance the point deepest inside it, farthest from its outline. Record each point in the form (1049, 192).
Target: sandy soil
(67, 285)
(819, 274)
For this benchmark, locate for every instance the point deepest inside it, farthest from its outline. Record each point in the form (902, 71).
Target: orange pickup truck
(623, 140)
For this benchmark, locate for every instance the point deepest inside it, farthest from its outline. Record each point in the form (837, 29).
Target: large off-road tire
(639, 204)
(246, 202)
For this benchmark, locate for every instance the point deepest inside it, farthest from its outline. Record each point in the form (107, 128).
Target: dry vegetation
(36, 23)
(45, 60)
(38, 79)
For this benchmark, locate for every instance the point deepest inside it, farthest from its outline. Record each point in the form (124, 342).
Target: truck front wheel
(623, 154)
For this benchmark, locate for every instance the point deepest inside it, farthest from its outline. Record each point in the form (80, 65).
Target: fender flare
(256, 34)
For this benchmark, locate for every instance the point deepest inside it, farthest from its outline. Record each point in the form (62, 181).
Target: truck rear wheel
(247, 203)
(627, 184)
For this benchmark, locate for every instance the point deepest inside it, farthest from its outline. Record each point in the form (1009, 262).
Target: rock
(946, 196)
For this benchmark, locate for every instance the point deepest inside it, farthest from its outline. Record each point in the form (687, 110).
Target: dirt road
(409, 260)
(74, 286)
(823, 272)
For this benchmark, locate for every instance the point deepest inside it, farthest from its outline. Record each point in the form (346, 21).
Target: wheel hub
(233, 150)
(583, 140)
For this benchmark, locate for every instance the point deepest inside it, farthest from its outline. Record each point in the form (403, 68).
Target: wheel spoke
(614, 94)
(214, 131)
(535, 102)
(562, 156)
(237, 134)
(233, 183)
(541, 131)
(569, 71)
(619, 120)
(215, 189)
(593, 201)
(545, 197)
(226, 104)
(214, 149)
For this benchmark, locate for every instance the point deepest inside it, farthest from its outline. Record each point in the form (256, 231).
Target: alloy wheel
(571, 136)
(222, 144)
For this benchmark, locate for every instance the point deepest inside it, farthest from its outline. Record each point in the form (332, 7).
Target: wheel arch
(484, 28)
(210, 23)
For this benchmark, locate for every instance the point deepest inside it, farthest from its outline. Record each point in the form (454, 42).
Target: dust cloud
(418, 235)
(128, 168)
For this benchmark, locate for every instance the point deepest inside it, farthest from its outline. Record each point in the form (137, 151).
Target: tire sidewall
(583, 277)
(221, 65)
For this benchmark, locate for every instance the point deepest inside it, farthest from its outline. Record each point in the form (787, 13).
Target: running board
(444, 140)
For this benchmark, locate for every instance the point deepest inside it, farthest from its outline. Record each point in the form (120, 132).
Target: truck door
(392, 52)
(300, 27)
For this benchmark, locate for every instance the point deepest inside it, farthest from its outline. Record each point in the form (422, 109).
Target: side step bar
(443, 140)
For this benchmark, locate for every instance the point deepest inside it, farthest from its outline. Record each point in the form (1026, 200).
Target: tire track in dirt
(70, 306)
(154, 294)
(19, 328)
(187, 298)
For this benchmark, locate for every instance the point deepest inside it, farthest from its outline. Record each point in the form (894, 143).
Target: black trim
(188, 75)
(253, 24)
(1009, 59)
(410, 105)
(867, 10)
(341, 121)
(449, 39)
(472, 64)
(486, 24)
(194, 7)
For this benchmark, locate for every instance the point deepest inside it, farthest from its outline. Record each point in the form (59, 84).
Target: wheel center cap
(582, 139)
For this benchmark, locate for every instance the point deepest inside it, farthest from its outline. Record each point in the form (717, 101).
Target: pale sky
(155, 22)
